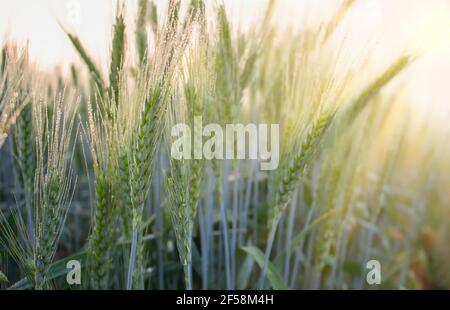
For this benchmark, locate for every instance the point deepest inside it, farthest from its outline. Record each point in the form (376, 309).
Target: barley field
(91, 196)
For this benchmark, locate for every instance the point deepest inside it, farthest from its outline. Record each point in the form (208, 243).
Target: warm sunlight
(423, 25)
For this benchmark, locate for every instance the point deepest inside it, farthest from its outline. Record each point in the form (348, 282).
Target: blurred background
(384, 27)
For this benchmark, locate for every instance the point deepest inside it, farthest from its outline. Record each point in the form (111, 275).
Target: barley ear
(93, 70)
(101, 235)
(117, 57)
(153, 17)
(291, 177)
(350, 113)
(54, 183)
(25, 146)
(141, 31)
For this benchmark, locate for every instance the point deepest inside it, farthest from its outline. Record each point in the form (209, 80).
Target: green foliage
(274, 277)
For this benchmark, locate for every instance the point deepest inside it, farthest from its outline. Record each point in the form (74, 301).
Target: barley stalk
(152, 122)
(148, 139)
(54, 183)
(186, 175)
(292, 176)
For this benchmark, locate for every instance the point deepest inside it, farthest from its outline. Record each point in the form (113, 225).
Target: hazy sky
(390, 25)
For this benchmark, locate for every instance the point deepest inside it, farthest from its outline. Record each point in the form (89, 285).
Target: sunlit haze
(385, 27)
